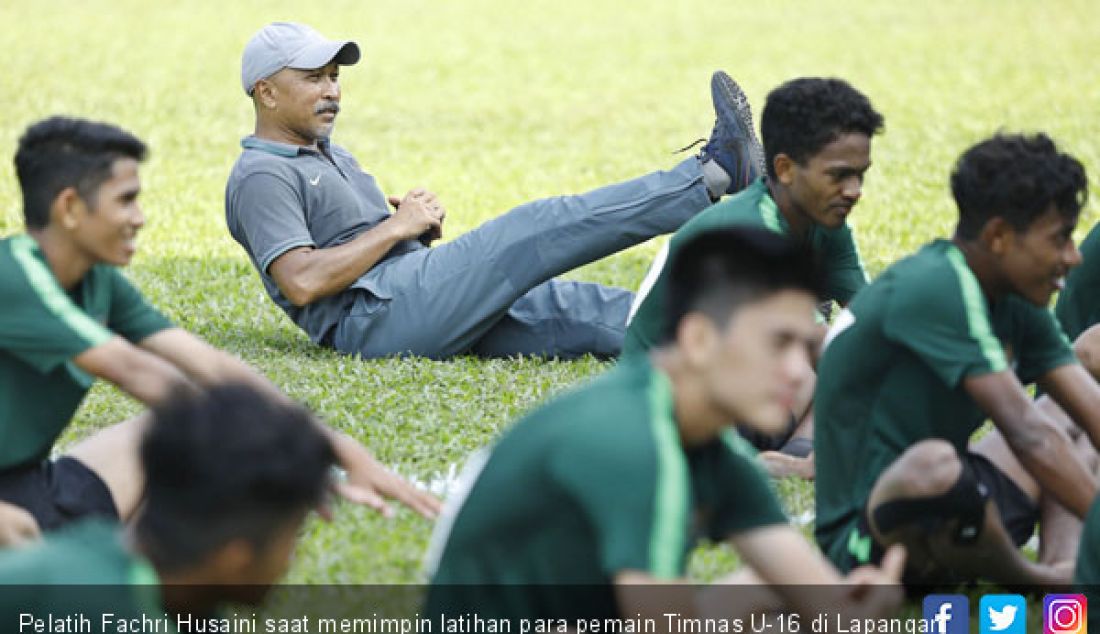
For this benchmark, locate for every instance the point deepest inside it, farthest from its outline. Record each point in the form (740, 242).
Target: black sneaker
(733, 144)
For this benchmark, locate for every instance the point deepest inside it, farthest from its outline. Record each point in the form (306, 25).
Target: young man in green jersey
(1078, 306)
(70, 317)
(600, 492)
(1086, 574)
(231, 475)
(817, 146)
(938, 343)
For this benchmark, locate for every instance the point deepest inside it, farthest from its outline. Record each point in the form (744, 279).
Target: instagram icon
(1065, 614)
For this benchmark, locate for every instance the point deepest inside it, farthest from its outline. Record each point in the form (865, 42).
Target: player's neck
(984, 267)
(697, 419)
(798, 224)
(66, 261)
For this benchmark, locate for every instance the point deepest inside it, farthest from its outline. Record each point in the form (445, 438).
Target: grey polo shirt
(282, 196)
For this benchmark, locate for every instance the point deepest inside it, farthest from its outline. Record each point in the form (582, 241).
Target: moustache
(328, 106)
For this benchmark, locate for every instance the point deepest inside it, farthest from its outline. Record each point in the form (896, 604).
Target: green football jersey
(1078, 305)
(80, 572)
(1086, 575)
(751, 207)
(42, 328)
(591, 484)
(892, 371)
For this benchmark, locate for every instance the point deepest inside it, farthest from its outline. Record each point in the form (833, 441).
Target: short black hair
(227, 464)
(1016, 177)
(62, 152)
(721, 270)
(804, 115)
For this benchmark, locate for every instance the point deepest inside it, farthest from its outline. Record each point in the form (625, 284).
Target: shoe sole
(730, 103)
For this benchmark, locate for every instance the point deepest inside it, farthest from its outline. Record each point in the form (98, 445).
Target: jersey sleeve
(732, 485)
(941, 316)
(1078, 307)
(130, 314)
(270, 216)
(633, 495)
(1045, 345)
(39, 323)
(845, 274)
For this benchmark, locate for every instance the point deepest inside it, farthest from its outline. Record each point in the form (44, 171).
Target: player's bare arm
(782, 558)
(143, 375)
(1040, 445)
(1075, 390)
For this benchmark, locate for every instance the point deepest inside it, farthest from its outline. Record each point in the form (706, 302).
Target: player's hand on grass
(419, 215)
(17, 526)
(369, 483)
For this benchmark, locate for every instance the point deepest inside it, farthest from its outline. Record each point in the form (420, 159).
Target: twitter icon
(1003, 614)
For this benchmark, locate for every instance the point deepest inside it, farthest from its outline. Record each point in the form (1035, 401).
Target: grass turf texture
(492, 104)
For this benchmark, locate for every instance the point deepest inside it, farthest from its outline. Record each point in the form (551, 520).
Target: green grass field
(492, 104)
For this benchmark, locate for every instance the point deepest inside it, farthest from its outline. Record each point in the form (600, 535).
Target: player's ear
(997, 235)
(784, 168)
(67, 209)
(697, 337)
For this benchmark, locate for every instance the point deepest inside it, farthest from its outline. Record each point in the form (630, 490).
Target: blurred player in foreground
(600, 492)
(230, 476)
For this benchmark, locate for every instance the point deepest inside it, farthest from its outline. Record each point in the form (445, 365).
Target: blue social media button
(947, 613)
(1003, 614)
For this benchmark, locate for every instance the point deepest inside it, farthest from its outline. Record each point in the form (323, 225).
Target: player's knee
(943, 493)
(1087, 348)
(928, 468)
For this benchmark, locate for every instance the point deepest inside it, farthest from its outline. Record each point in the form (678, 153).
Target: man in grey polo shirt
(359, 278)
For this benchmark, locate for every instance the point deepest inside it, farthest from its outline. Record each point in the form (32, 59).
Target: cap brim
(344, 53)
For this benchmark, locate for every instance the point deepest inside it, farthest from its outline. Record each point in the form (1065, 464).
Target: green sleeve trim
(1060, 330)
(976, 316)
(738, 445)
(47, 289)
(770, 212)
(670, 509)
(145, 585)
(142, 574)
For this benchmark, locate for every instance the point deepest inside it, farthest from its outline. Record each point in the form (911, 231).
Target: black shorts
(1018, 513)
(58, 492)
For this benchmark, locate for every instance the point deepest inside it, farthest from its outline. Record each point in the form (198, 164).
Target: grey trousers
(490, 291)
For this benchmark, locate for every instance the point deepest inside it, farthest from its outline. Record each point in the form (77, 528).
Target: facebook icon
(947, 613)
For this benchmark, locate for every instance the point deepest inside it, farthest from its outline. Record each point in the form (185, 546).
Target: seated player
(941, 341)
(602, 490)
(1078, 312)
(1086, 574)
(230, 476)
(817, 147)
(1078, 306)
(70, 317)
